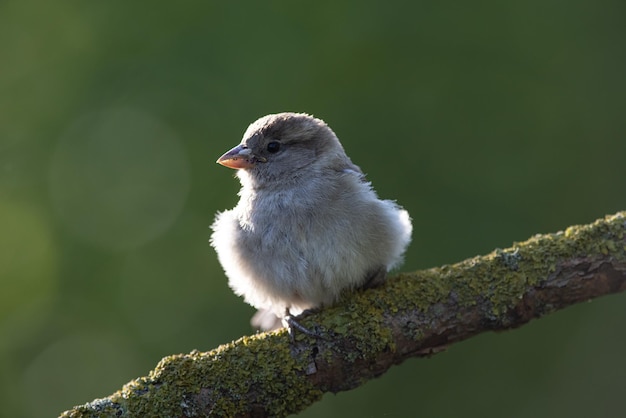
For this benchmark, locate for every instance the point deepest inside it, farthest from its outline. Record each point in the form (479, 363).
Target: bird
(308, 226)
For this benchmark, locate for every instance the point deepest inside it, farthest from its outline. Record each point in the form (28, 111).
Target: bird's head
(283, 145)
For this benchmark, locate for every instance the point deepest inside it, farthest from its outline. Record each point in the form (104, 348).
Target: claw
(292, 324)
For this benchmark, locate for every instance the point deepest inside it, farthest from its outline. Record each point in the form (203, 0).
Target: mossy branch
(413, 314)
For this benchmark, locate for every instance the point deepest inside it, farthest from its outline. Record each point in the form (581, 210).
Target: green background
(488, 121)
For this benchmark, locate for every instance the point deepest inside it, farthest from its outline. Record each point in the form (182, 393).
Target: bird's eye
(273, 147)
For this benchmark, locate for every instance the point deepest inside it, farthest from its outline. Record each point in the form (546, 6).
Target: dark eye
(273, 147)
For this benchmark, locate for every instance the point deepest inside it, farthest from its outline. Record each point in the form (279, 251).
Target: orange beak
(239, 157)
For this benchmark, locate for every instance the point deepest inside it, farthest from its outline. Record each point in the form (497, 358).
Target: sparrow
(308, 225)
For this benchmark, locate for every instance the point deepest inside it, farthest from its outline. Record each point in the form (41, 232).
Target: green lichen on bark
(268, 375)
(258, 369)
(497, 280)
(504, 275)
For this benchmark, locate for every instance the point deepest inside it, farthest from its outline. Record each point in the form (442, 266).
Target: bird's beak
(239, 157)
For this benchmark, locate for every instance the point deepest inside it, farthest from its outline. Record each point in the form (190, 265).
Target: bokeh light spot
(74, 369)
(119, 178)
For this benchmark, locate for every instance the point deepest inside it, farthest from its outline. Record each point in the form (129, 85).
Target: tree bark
(412, 314)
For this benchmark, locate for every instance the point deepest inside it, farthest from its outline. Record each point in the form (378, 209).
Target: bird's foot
(292, 324)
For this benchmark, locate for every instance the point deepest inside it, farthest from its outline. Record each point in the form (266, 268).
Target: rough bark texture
(413, 314)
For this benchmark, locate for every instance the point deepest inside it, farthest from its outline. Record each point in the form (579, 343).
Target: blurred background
(489, 121)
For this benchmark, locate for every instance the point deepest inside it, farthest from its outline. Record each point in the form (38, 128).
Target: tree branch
(413, 314)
